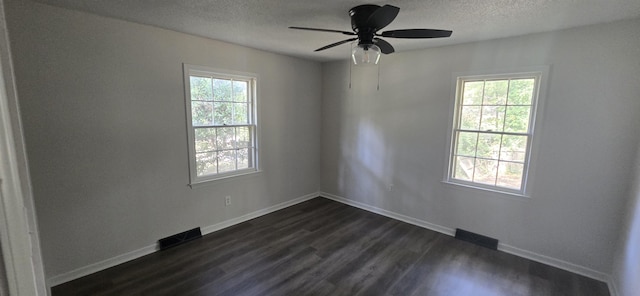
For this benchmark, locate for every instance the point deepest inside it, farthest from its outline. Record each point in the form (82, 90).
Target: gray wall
(626, 268)
(104, 120)
(588, 135)
(103, 111)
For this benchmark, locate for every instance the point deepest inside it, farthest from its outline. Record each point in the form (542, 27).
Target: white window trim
(535, 124)
(189, 70)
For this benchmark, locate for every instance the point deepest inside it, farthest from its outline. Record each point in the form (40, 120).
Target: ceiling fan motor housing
(359, 18)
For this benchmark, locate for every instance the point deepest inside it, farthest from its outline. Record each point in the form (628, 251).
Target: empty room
(320, 147)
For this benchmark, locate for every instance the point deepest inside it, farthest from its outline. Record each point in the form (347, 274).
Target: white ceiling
(262, 24)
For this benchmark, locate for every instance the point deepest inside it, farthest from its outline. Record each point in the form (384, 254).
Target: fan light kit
(366, 21)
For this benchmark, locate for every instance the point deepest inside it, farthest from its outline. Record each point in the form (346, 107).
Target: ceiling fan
(367, 20)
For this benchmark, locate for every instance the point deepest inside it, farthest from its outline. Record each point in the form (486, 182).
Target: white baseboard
(102, 265)
(568, 266)
(111, 262)
(558, 263)
(390, 214)
(224, 224)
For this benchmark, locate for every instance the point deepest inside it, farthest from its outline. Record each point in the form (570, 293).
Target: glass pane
(492, 118)
(240, 113)
(239, 91)
(243, 137)
(513, 148)
(488, 146)
(463, 168)
(495, 92)
(470, 118)
(467, 144)
(472, 93)
(223, 113)
(222, 90)
(225, 139)
(206, 163)
(201, 88)
(244, 158)
(205, 139)
(520, 91)
(517, 119)
(201, 113)
(510, 175)
(485, 171)
(226, 161)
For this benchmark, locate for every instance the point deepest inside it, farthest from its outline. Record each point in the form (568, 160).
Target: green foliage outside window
(491, 138)
(221, 117)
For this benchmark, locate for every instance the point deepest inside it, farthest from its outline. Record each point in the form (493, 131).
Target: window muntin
(222, 123)
(493, 130)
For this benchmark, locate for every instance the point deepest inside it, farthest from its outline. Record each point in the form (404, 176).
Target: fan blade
(382, 17)
(323, 30)
(336, 44)
(416, 33)
(385, 47)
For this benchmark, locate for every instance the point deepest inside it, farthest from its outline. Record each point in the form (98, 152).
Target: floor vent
(180, 238)
(474, 238)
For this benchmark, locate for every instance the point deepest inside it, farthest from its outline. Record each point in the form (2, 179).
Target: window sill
(505, 193)
(225, 178)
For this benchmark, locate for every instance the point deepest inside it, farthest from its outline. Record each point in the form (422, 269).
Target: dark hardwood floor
(322, 247)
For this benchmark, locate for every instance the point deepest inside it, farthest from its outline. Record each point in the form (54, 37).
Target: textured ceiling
(262, 24)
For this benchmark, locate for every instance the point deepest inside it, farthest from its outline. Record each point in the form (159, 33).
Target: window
(221, 121)
(492, 131)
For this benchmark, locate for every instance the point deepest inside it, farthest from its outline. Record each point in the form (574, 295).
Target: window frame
(252, 95)
(540, 74)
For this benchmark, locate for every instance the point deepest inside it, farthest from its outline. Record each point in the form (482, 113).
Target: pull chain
(378, 75)
(350, 73)
(350, 61)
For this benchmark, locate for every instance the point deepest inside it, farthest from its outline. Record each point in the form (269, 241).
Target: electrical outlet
(227, 200)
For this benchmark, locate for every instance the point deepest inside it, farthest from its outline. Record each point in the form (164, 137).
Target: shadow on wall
(365, 158)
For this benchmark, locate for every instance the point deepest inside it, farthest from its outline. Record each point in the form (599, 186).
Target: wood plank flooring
(322, 247)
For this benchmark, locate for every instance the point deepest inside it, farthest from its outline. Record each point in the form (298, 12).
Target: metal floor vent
(477, 239)
(180, 238)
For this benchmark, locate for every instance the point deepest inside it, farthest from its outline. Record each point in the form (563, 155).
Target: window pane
(467, 144)
(206, 163)
(463, 168)
(472, 93)
(492, 118)
(517, 119)
(226, 161)
(201, 88)
(201, 113)
(205, 139)
(225, 139)
(510, 175)
(513, 148)
(239, 91)
(223, 113)
(244, 158)
(470, 118)
(485, 171)
(520, 91)
(488, 146)
(222, 90)
(243, 137)
(495, 92)
(240, 113)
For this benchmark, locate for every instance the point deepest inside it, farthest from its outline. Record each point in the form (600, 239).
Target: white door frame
(18, 228)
